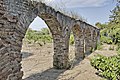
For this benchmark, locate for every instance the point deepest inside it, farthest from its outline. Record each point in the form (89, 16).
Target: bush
(118, 46)
(105, 39)
(108, 67)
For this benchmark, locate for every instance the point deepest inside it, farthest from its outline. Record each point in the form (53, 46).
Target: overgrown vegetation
(118, 48)
(109, 67)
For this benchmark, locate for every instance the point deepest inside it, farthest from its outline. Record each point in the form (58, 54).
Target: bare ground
(37, 64)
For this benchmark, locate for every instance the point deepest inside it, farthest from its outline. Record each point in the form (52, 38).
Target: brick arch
(78, 37)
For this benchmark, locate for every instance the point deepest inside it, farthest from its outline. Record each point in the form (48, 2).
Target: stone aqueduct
(16, 16)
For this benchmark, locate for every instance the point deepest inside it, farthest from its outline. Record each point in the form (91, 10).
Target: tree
(115, 17)
(114, 24)
(101, 26)
(45, 31)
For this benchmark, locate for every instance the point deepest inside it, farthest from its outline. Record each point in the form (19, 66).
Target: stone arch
(51, 18)
(94, 34)
(78, 37)
(60, 59)
(87, 39)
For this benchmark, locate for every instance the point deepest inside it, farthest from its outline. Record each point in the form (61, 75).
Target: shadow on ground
(53, 74)
(75, 62)
(49, 74)
(26, 54)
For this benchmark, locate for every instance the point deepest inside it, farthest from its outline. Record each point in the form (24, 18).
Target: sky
(92, 10)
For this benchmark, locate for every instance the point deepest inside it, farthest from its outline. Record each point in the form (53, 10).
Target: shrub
(108, 67)
(105, 39)
(118, 46)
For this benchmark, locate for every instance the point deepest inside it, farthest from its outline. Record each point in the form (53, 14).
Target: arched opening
(78, 42)
(37, 49)
(15, 24)
(71, 47)
(58, 59)
(87, 41)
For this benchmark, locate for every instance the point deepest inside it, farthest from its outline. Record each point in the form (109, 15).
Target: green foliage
(44, 31)
(42, 36)
(38, 36)
(71, 39)
(105, 39)
(101, 26)
(108, 67)
(118, 48)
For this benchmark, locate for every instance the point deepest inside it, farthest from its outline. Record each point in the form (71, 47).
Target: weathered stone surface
(15, 18)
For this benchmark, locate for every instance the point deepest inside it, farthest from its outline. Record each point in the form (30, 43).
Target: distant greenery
(39, 36)
(44, 36)
(72, 39)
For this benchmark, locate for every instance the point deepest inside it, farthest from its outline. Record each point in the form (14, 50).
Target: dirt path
(37, 64)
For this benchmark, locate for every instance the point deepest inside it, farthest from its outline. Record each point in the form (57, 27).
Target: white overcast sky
(93, 10)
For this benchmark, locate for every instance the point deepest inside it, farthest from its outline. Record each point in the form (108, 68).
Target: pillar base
(61, 62)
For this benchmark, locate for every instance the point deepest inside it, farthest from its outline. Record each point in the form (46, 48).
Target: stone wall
(15, 18)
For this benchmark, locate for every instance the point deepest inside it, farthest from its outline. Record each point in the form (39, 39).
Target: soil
(37, 64)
